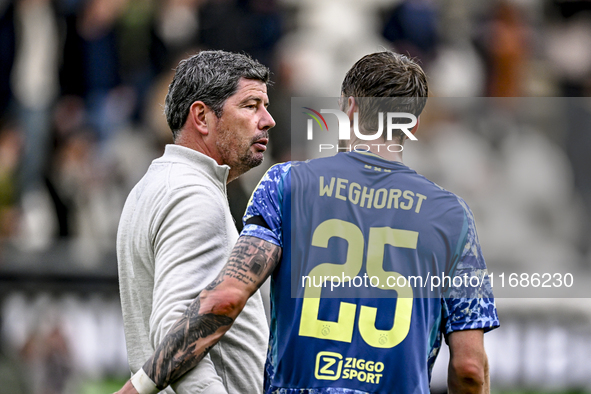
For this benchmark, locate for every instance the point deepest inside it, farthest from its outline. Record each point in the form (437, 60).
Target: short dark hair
(385, 74)
(211, 77)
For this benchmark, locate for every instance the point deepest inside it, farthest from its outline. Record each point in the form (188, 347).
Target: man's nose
(267, 121)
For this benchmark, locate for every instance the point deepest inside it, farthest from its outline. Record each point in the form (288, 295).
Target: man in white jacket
(176, 231)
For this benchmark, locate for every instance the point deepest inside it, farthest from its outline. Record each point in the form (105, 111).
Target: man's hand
(127, 389)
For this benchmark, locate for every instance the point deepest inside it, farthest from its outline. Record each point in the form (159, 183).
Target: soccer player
(354, 216)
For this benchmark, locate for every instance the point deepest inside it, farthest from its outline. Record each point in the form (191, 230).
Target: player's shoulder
(445, 197)
(274, 179)
(278, 170)
(276, 174)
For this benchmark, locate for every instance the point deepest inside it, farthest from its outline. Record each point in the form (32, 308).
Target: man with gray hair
(176, 230)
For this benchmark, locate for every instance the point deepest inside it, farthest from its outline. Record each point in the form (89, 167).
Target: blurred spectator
(568, 46)
(253, 26)
(35, 83)
(7, 51)
(177, 26)
(48, 354)
(412, 28)
(505, 43)
(68, 120)
(10, 150)
(90, 66)
(142, 54)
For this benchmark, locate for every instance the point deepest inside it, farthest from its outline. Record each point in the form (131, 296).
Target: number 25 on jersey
(342, 329)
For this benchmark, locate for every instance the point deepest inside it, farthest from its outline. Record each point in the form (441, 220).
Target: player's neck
(385, 154)
(390, 150)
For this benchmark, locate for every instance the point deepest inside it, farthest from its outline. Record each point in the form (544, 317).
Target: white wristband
(143, 384)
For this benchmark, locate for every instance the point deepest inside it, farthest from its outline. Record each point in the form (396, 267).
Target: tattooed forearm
(213, 312)
(180, 350)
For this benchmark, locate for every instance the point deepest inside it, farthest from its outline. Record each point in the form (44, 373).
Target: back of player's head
(211, 77)
(385, 74)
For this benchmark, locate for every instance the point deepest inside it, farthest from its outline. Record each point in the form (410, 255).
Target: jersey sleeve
(471, 305)
(263, 217)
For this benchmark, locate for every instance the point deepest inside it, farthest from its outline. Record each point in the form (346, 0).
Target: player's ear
(413, 130)
(351, 108)
(416, 127)
(198, 115)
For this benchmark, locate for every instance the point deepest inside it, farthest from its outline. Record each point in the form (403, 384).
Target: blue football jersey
(377, 265)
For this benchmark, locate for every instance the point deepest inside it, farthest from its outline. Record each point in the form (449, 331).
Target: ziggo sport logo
(331, 366)
(345, 129)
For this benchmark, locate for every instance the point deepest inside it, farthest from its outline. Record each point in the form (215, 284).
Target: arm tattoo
(188, 341)
(251, 261)
(178, 352)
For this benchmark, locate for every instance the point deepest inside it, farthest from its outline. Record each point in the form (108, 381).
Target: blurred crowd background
(82, 86)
